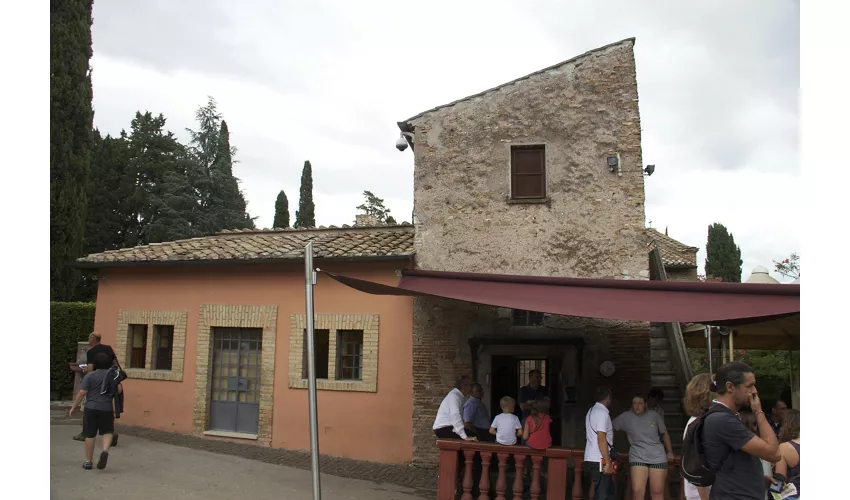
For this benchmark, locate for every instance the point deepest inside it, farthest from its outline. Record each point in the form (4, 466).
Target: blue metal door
(234, 402)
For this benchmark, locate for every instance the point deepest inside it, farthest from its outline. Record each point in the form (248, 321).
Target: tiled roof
(673, 253)
(267, 244)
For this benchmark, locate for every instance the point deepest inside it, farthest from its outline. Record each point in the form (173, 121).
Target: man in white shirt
(600, 441)
(449, 421)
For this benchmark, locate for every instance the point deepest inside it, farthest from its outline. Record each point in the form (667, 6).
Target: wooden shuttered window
(528, 172)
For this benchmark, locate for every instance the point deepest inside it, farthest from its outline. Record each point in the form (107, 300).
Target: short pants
(98, 421)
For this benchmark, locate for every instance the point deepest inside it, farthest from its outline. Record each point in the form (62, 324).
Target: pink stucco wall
(369, 426)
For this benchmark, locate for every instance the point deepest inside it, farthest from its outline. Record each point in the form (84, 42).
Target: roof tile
(673, 253)
(268, 244)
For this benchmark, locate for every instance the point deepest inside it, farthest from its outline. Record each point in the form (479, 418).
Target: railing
(461, 461)
(678, 350)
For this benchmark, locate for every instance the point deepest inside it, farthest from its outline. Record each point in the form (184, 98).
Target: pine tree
(281, 211)
(222, 203)
(70, 138)
(305, 216)
(161, 180)
(374, 206)
(722, 256)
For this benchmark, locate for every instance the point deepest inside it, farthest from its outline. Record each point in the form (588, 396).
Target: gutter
(234, 262)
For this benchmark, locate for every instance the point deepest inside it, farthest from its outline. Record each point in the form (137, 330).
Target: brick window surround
(368, 323)
(177, 319)
(213, 315)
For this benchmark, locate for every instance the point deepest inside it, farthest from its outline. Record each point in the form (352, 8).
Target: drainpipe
(708, 341)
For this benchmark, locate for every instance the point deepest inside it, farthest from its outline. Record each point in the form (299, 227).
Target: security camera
(401, 142)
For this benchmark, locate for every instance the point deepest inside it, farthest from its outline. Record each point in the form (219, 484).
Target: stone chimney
(366, 220)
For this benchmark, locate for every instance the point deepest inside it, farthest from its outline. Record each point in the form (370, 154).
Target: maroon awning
(658, 301)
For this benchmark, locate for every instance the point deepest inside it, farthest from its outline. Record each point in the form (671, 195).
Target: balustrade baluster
(501, 481)
(519, 462)
(468, 456)
(578, 466)
(536, 461)
(484, 484)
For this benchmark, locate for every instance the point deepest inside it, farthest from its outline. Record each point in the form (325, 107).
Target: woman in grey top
(647, 458)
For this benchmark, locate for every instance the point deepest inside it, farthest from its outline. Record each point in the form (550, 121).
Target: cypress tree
(281, 211)
(305, 216)
(722, 255)
(106, 214)
(70, 138)
(227, 203)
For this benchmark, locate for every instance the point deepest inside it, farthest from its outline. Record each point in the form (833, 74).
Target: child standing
(506, 426)
(536, 430)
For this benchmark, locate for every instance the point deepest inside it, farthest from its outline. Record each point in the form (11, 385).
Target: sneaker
(87, 465)
(79, 437)
(115, 440)
(101, 464)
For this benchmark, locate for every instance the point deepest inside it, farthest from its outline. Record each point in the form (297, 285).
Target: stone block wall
(590, 224)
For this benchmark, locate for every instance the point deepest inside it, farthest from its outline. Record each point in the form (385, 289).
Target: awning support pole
(310, 280)
(731, 345)
(708, 340)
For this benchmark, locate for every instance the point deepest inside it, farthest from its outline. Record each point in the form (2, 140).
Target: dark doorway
(509, 373)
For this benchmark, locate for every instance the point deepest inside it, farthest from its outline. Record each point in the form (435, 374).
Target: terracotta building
(541, 176)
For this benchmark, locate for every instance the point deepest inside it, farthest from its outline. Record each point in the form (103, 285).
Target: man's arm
(455, 414)
(78, 399)
(84, 387)
(602, 442)
(766, 448)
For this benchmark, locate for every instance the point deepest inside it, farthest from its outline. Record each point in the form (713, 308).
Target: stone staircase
(664, 376)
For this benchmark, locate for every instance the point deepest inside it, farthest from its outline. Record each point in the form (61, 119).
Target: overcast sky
(327, 81)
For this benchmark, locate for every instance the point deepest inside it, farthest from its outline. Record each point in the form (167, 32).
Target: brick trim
(212, 315)
(177, 319)
(369, 323)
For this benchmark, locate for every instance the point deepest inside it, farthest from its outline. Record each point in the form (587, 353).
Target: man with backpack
(719, 450)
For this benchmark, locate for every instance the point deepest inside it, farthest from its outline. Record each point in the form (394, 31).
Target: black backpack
(694, 468)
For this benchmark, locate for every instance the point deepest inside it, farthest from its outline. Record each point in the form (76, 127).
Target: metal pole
(708, 340)
(310, 279)
(731, 345)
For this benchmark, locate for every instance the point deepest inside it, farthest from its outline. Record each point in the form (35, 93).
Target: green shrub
(70, 322)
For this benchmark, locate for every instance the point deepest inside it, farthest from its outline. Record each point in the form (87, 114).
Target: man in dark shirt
(732, 449)
(95, 349)
(528, 393)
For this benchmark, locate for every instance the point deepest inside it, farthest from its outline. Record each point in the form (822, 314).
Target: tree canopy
(70, 138)
(281, 211)
(374, 206)
(722, 255)
(305, 216)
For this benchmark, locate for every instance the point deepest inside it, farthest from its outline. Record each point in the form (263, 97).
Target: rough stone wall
(590, 225)
(682, 275)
